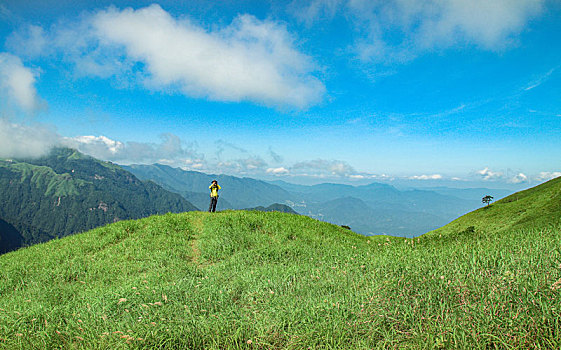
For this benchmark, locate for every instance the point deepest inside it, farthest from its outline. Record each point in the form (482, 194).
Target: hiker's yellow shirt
(214, 190)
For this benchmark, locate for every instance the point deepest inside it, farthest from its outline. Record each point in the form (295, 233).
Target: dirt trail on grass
(198, 226)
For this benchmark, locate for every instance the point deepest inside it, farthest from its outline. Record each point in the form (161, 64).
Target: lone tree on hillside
(487, 199)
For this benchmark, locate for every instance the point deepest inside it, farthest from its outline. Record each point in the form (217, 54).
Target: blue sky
(458, 93)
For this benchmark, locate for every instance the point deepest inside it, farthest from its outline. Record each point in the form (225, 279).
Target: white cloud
(25, 141)
(486, 174)
(325, 167)
(249, 60)
(518, 178)
(251, 164)
(548, 175)
(426, 177)
(310, 11)
(278, 171)
(17, 84)
(89, 142)
(540, 80)
(34, 39)
(401, 30)
(170, 151)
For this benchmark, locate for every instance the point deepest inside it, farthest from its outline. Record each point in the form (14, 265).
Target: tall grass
(279, 281)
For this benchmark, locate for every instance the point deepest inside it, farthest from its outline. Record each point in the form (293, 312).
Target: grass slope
(44, 178)
(256, 280)
(539, 206)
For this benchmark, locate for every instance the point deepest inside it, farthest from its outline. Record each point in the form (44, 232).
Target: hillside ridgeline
(536, 207)
(370, 209)
(272, 280)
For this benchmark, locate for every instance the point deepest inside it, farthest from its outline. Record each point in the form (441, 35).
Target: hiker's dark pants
(212, 206)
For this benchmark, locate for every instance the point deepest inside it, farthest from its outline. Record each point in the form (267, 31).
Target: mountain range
(250, 279)
(67, 192)
(236, 193)
(369, 209)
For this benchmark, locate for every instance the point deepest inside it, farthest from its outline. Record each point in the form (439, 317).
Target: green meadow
(255, 280)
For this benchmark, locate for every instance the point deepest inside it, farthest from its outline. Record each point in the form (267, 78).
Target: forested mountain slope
(67, 192)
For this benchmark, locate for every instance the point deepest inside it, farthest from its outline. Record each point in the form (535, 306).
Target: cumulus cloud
(35, 140)
(169, 151)
(426, 177)
(76, 44)
(25, 141)
(35, 39)
(278, 171)
(367, 176)
(510, 176)
(486, 174)
(548, 175)
(325, 167)
(17, 84)
(253, 163)
(247, 165)
(518, 178)
(248, 60)
(400, 30)
(311, 11)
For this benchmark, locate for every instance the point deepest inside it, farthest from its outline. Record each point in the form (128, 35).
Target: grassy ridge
(538, 206)
(44, 178)
(272, 280)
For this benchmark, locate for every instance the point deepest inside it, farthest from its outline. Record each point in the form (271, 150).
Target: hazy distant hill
(382, 208)
(474, 194)
(67, 192)
(382, 196)
(379, 208)
(281, 208)
(362, 218)
(236, 193)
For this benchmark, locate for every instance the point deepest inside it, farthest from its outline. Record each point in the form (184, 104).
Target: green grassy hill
(257, 280)
(539, 206)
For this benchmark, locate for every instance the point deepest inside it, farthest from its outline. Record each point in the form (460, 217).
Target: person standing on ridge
(214, 187)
